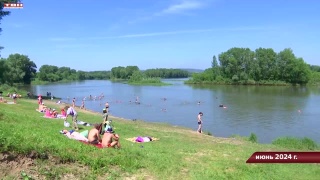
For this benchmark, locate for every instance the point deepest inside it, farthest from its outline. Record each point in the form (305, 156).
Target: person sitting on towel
(94, 134)
(110, 139)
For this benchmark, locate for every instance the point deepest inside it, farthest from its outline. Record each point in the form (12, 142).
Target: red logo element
(13, 5)
(284, 157)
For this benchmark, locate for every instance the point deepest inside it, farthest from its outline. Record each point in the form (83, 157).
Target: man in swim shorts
(200, 122)
(110, 139)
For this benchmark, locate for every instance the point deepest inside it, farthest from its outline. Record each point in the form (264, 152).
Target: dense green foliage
(166, 73)
(150, 76)
(262, 66)
(121, 72)
(126, 72)
(140, 78)
(17, 68)
(53, 74)
(315, 68)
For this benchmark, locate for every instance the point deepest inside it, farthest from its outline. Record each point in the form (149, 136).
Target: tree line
(19, 69)
(53, 73)
(262, 66)
(125, 73)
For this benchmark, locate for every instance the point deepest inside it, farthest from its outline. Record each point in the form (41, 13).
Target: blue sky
(101, 34)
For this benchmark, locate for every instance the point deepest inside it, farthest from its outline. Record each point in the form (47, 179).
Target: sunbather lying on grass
(74, 135)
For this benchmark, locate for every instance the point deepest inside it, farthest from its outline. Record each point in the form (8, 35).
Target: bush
(296, 143)
(253, 138)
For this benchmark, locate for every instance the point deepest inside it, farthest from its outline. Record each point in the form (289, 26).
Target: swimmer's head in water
(201, 113)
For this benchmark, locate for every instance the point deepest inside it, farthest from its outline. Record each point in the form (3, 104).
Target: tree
(20, 69)
(3, 69)
(49, 73)
(130, 70)
(215, 67)
(118, 72)
(266, 61)
(285, 64)
(235, 61)
(136, 76)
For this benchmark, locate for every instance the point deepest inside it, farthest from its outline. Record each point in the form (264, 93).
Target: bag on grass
(66, 124)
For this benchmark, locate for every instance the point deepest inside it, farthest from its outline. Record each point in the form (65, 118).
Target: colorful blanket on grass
(96, 145)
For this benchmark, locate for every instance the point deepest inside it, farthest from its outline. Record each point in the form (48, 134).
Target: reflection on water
(269, 112)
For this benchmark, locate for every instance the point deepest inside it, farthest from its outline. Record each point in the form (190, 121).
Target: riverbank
(32, 145)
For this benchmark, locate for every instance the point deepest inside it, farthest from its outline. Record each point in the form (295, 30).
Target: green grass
(295, 143)
(150, 81)
(179, 154)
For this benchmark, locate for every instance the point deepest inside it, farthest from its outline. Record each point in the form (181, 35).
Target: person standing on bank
(107, 107)
(73, 113)
(200, 122)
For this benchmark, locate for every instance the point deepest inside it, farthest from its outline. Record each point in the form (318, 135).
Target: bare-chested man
(107, 107)
(110, 139)
(94, 134)
(200, 122)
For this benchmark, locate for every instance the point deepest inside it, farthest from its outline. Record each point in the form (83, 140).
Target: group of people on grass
(101, 134)
(93, 136)
(50, 112)
(14, 96)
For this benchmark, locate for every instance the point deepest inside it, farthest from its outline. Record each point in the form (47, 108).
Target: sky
(94, 35)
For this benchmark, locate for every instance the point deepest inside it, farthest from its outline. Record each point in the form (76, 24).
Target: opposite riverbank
(32, 146)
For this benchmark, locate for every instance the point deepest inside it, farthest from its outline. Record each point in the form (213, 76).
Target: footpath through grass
(179, 154)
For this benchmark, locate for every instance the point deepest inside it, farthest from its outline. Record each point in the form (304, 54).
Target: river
(268, 111)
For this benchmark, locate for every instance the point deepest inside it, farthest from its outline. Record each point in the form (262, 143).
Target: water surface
(269, 112)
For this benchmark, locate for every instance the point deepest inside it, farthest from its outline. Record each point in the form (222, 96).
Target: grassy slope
(179, 154)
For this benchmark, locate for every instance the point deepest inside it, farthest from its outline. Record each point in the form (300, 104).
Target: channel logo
(13, 5)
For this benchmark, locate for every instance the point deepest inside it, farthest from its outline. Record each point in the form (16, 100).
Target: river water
(269, 112)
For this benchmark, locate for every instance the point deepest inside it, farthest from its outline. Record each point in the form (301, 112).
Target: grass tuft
(253, 138)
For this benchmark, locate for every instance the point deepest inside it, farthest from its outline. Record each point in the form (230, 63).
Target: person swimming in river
(137, 100)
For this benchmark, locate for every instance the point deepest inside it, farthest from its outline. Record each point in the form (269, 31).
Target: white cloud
(152, 34)
(165, 33)
(182, 7)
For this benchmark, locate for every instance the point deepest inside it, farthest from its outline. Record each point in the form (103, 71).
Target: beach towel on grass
(74, 135)
(96, 145)
(141, 139)
(83, 123)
